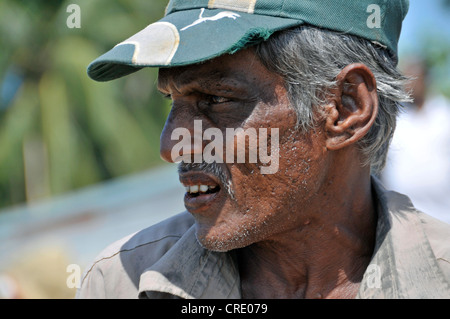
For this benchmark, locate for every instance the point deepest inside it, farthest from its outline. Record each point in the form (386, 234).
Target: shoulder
(415, 235)
(438, 234)
(167, 230)
(116, 271)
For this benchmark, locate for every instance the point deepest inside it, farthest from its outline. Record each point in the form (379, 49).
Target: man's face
(233, 203)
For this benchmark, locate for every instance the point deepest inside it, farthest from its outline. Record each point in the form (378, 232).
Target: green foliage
(60, 130)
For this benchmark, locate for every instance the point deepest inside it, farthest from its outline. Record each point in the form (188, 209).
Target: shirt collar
(188, 271)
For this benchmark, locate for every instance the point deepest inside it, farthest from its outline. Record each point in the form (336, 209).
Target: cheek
(293, 152)
(274, 193)
(259, 196)
(303, 165)
(265, 204)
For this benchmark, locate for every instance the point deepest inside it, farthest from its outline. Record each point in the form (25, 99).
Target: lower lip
(200, 203)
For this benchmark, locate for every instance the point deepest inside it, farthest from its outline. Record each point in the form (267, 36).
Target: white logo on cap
(221, 15)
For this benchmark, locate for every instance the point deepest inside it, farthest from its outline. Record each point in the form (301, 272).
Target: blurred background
(79, 160)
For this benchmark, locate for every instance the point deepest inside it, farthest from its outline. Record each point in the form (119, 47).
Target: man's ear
(354, 106)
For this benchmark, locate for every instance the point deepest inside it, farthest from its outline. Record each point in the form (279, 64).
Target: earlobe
(353, 107)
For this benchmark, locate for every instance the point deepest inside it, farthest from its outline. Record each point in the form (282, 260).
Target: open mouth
(199, 190)
(202, 191)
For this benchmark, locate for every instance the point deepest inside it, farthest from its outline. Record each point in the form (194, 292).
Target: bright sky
(424, 17)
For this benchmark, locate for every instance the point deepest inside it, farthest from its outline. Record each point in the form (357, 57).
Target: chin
(222, 240)
(218, 243)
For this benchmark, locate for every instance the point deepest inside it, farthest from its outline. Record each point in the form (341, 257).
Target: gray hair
(309, 59)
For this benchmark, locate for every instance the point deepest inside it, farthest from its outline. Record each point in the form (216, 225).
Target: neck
(323, 256)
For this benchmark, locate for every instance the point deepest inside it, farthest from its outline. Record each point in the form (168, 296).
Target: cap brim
(186, 37)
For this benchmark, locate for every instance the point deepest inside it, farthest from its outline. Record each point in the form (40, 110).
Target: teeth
(198, 188)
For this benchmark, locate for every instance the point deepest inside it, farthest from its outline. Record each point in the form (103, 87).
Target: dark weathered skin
(308, 230)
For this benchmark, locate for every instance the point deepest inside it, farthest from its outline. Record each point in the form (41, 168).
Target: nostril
(181, 143)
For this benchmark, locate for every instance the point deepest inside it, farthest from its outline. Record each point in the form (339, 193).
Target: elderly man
(317, 79)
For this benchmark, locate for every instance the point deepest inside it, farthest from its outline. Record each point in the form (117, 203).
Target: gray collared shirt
(411, 260)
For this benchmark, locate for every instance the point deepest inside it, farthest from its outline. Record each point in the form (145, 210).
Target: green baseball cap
(193, 31)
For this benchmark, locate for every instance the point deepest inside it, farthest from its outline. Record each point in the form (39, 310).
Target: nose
(181, 137)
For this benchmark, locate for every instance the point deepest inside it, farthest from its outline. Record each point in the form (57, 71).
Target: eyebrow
(214, 81)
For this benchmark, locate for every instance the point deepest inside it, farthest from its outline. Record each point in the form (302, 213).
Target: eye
(215, 104)
(214, 99)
